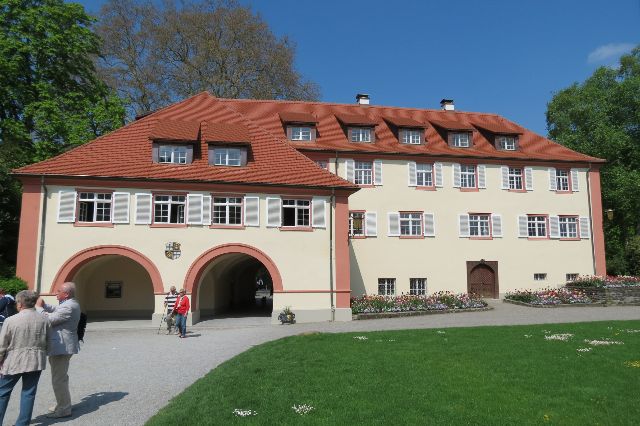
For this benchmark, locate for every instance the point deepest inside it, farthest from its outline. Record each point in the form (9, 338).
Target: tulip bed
(548, 296)
(407, 303)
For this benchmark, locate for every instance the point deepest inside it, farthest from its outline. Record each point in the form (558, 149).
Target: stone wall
(611, 296)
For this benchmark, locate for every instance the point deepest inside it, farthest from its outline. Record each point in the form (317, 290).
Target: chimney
(447, 105)
(362, 99)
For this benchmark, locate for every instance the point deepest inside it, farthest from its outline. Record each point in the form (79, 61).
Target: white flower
(361, 337)
(527, 336)
(302, 409)
(583, 349)
(243, 413)
(440, 332)
(602, 342)
(562, 336)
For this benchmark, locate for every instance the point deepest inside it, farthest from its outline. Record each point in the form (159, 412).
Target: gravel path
(126, 372)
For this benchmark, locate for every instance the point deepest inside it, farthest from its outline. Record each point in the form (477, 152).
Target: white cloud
(608, 51)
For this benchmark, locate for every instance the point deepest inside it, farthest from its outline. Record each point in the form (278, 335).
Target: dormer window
(173, 154)
(411, 136)
(461, 139)
(301, 133)
(506, 143)
(361, 134)
(227, 156)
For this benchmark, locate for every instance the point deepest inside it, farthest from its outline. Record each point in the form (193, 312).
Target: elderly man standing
(63, 343)
(23, 355)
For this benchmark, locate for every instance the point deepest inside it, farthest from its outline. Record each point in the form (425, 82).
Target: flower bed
(610, 290)
(605, 282)
(549, 297)
(408, 303)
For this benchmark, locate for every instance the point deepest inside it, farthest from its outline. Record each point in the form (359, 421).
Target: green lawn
(484, 375)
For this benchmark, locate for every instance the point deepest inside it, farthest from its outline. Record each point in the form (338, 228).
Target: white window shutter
(120, 207)
(66, 206)
(505, 177)
(552, 179)
(371, 224)
(394, 224)
(377, 172)
(585, 231)
(252, 211)
(318, 207)
(273, 212)
(463, 221)
(554, 227)
(496, 225)
(143, 208)
(429, 225)
(437, 170)
(349, 170)
(575, 183)
(528, 178)
(482, 181)
(206, 209)
(194, 209)
(523, 229)
(456, 175)
(411, 167)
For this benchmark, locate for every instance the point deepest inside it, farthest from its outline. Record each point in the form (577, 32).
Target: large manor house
(313, 202)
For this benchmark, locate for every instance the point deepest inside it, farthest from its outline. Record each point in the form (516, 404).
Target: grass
(483, 375)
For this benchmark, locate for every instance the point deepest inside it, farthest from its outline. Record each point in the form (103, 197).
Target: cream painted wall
(442, 259)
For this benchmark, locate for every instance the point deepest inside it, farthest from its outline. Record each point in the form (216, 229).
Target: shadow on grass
(87, 405)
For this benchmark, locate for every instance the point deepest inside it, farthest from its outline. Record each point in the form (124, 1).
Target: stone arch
(75, 262)
(194, 274)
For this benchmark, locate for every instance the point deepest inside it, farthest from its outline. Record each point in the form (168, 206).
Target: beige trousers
(60, 381)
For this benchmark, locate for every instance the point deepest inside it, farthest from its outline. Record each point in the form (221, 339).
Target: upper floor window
(94, 207)
(386, 286)
(296, 212)
(169, 209)
(418, 286)
(356, 224)
(461, 140)
(323, 164)
(363, 173)
(227, 210)
(301, 133)
(227, 156)
(467, 176)
(424, 174)
(537, 226)
(411, 224)
(562, 180)
(172, 154)
(515, 178)
(568, 226)
(507, 143)
(411, 136)
(479, 225)
(361, 134)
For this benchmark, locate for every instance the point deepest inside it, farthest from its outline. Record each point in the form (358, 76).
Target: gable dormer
(299, 126)
(358, 128)
(457, 133)
(228, 144)
(503, 136)
(407, 130)
(174, 141)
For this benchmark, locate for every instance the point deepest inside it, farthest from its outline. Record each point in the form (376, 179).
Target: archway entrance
(112, 282)
(482, 278)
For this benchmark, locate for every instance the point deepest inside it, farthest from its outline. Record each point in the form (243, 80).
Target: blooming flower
(563, 337)
(360, 337)
(605, 342)
(244, 413)
(302, 409)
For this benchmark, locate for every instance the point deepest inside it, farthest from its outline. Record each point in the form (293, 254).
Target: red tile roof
(297, 117)
(405, 122)
(175, 130)
(501, 128)
(126, 152)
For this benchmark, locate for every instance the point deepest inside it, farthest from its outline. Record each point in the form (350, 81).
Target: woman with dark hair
(23, 354)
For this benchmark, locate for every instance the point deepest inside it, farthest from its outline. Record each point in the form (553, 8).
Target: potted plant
(287, 316)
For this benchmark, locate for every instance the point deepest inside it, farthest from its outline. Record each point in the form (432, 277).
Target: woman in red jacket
(181, 308)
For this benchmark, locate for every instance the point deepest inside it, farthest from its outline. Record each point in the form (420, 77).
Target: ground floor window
(386, 286)
(540, 276)
(418, 286)
(572, 277)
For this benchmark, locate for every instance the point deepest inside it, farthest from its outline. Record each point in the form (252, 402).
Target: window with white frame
(356, 224)
(562, 180)
(94, 207)
(169, 208)
(539, 276)
(227, 156)
(411, 136)
(363, 173)
(515, 178)
(467, 176)
(418, 286)
(537, 226)
(508, 143)
(479, 225)
(411, 224)
(361, 134)
(386, 286)
(227, 211)
(572, 277)
(568, 226)
(172, 154)
(296, 212)
(461, 140)
(323, 164)
(424, 174)
(300, 133)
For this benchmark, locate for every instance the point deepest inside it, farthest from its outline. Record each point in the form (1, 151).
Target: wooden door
(482, 281)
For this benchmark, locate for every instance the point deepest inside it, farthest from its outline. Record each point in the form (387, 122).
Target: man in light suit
(62, 344)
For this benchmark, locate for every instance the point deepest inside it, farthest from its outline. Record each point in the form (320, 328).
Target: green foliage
(601, 117)
(13, 285)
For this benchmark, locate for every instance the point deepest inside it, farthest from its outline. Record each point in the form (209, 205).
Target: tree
(155, 55)
(50, 96)
(601, 117)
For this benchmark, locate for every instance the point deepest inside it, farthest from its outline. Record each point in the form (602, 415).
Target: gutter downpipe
(332, 206)
(593, 246)
(43, 223)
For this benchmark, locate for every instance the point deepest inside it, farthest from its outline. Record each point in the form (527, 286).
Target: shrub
(13, 285)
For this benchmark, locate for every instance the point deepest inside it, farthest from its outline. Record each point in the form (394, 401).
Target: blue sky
(497, 56)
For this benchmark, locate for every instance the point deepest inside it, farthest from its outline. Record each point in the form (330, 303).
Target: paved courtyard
(126, 372)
